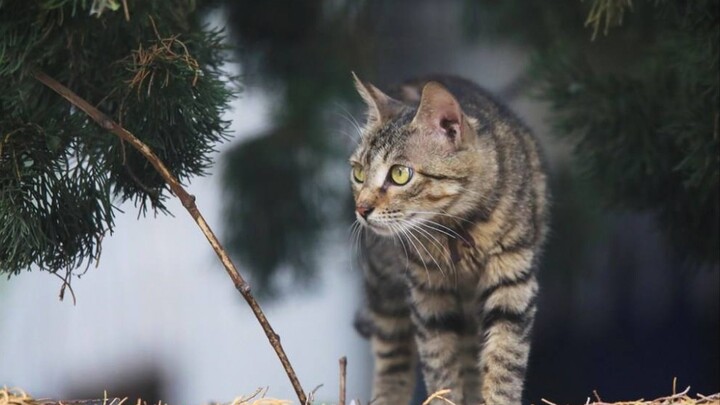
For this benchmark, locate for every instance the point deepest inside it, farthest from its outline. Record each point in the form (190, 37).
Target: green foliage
(640, 104)
(277, 198)
(271, 189)
(157, 74)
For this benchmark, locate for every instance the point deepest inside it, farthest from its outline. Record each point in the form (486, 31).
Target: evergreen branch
(188, 201)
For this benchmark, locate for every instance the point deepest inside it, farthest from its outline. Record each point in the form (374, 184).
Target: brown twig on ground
(343, 377)
(188, 201)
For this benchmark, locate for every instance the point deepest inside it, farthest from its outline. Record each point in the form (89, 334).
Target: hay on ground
(15, 396)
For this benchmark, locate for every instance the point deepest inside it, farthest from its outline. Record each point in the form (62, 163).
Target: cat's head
(416, 162)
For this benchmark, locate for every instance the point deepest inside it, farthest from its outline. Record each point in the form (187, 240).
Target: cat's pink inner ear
(381, 107)
(439, 111)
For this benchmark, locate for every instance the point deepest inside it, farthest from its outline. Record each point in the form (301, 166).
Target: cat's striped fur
(450, 260)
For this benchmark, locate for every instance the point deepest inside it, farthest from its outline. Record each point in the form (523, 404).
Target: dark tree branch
(188, 201)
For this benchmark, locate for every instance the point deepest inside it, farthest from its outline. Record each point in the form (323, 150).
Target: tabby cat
(452, 186)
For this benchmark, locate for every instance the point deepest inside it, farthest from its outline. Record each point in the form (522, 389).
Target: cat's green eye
(358, 173)
(400, 174)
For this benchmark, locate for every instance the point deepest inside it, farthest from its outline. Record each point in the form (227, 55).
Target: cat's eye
(400, 174)
(358, 173)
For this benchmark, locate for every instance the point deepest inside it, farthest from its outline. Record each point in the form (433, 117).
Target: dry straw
(258, 398)
(677, 398)
(15, 396)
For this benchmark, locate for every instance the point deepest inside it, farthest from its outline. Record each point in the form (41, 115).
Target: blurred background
(630, 279)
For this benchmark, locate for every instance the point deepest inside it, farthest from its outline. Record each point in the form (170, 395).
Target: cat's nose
(364, 210)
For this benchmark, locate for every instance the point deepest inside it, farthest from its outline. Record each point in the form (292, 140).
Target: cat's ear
(381, 107)
(440, 113)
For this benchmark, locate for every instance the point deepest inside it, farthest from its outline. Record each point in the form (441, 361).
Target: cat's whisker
(443, 247)
(349, 136)
(356, 251)
(410, 229)
(432, 239)
(434, 224)
(439, 228)
(352, 229)
(407, 236)
(442, 214)
(399, 237)
(345, 114)
(350, 117)
(353, 226)
(418, 226)
(451, 233)
(425, 224)
(359, 233)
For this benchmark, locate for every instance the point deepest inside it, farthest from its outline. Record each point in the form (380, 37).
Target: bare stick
(188, 201)
(343, 376)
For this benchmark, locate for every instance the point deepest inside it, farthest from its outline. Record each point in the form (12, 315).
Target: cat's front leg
(508, 309)
(387, 321)
(469, 354)
(394, 353)
(439, 323)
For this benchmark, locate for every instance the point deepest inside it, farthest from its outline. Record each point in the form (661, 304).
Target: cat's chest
(445, 260)
(429, 259)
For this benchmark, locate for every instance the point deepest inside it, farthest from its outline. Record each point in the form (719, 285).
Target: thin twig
(439, 395)
(126, 10)
(343, 376)
(311, 396)
(188, 201)
(66, 283)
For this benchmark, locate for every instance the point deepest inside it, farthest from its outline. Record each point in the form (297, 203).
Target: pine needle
(611, 12)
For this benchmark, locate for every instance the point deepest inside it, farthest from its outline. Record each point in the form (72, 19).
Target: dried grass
(170, 50)
(15, 396)
(258, 398)
(677, 398)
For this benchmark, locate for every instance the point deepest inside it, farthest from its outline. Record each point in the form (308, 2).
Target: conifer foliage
(151, 66)
(634, 87)
(648, 135)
